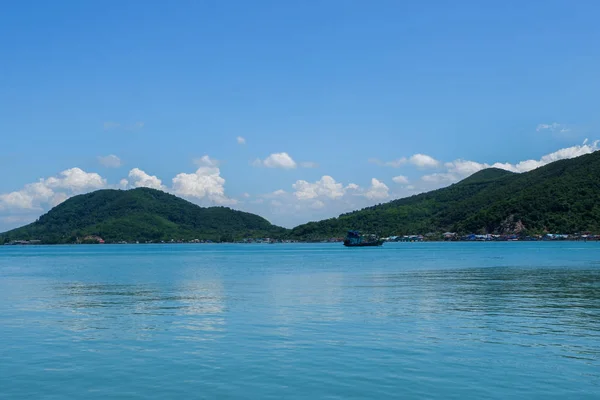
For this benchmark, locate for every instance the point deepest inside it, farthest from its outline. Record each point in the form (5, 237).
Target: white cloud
(246, 195)
(324, 187)
(110, 161)
(320, 199)
(206, 183)
(465, 167)
(19, 199)
(280, 160)
(401, 179)
(460, 169)
(206, 161)
(328, 188)
(324, 198)
(58, 198)
(439, 178)
(327, 197)
(419, 160)
(76, 180)
(394, 163)
(424, 161)
(553, 127)
(455, 171)
(241, 140)
(53, 190)
(277, 193)
(377, 191)
(277, 160)
(562, 154)
(139, 178)
(39, 190)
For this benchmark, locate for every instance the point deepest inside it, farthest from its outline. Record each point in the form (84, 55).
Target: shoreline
(297, 242)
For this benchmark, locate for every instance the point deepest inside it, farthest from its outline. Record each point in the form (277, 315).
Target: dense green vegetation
(140, 215)
(562, 197)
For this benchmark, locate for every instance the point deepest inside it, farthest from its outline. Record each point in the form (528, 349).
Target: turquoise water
(408, 320)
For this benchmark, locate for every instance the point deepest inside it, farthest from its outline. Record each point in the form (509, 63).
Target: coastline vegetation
(141, 215)
(562, 197)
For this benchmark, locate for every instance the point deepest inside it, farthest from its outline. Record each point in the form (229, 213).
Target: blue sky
(348, 90)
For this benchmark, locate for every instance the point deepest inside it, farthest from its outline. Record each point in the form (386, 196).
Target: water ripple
(410, 321)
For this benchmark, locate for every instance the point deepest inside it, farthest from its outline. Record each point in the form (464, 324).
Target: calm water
(410, 320)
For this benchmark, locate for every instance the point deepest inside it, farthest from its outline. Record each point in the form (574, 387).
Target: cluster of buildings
(91, 239)
(472, 237)
(22, 242)
(405, 238)
(265, 240)
(577, 236)
(447, 236)
(451, 236)
(248, 240)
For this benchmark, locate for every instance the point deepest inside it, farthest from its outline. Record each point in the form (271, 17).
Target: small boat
(355, 239)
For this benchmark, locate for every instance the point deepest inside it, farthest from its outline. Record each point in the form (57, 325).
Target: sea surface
(301, 321)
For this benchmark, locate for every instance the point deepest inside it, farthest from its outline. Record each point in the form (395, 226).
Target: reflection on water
(501, 305)
(506, 289)
(302, 323)
(140, 308)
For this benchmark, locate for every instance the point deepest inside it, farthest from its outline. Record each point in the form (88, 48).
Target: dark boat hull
(364, 244)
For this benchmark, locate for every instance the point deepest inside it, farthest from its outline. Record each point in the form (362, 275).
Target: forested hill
(140, 214)
(563, 196)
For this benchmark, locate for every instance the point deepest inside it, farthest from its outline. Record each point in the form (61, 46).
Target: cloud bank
(302, 200)
(52, 191)
(460, 169)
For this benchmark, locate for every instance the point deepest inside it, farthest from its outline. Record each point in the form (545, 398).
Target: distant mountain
(140, 214)
(563, 196)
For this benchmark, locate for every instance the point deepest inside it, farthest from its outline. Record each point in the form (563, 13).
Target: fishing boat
(355, 239)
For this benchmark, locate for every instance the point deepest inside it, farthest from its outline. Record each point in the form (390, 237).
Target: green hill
(140, 214)
(563, 196)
